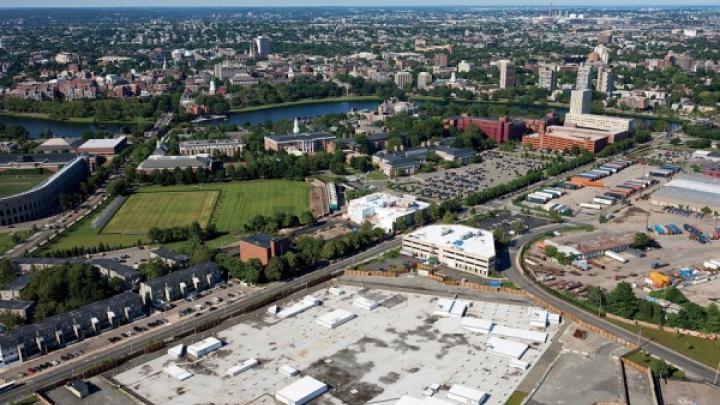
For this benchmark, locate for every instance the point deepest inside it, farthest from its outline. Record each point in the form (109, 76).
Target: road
(68, 370)
(64, 220)
(516, 275)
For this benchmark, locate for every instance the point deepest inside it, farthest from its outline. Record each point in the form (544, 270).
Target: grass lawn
(516, 398)
(17, 182)
(6, 242)
(84, 234)
(143, 211)
(644, 359)
(377, 175)
(227, 205)
(702, 350)
(240, 201)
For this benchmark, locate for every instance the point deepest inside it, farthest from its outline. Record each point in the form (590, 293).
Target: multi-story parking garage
(42, 199)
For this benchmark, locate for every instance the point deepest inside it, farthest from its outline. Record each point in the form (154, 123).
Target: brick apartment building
(262, 247)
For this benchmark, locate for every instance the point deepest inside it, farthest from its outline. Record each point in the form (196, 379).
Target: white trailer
(603, 201)
(591, 206)
(615, 256)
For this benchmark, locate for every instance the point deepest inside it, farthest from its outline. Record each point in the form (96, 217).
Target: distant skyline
(366, 3)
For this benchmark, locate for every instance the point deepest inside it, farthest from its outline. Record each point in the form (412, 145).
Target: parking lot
(497, 167)
(352, 358)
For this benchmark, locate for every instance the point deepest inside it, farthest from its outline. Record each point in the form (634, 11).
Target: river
(72, 129)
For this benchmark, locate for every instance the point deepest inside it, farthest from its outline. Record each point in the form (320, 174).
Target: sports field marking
(143, 211)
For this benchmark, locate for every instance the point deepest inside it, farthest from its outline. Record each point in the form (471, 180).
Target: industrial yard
(339, 339)
(596, 191)
(673, 256)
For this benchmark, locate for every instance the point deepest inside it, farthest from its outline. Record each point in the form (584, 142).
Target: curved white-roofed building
(459, 247)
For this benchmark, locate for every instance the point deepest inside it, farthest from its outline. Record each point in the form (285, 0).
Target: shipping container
(603, 201)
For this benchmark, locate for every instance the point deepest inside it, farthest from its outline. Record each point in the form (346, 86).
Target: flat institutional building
(459, 247)
(601, 122)
(104, 147)
(308, 142)
(695, 192)
(566, 138)
(226, 147)
(384, 210)
(158, 163)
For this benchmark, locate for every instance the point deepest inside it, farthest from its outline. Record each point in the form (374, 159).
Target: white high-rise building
(605, 81)
(580, 101)
(424, 80)
(403, 79)
(547, 78)
(507, 73)
(260, 47)
(584, 78)
(212, 89)
(603, 52)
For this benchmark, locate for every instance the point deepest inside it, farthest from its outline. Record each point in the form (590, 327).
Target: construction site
(334, 344)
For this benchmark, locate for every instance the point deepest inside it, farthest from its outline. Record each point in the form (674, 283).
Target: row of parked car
(48, 364)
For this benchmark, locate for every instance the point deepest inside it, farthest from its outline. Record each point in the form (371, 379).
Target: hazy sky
(300, 3)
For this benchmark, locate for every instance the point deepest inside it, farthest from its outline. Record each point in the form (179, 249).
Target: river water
(71, 129)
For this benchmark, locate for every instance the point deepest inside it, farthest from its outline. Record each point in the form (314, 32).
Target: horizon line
(618, 5)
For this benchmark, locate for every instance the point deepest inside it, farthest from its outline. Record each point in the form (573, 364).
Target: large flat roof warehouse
(694, 191)
(399, 348)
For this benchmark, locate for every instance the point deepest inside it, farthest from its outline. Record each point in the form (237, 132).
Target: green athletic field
(18, 181)
(143, 211)
(240, 201)
(233, 204)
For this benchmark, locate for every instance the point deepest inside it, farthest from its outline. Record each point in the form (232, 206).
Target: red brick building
(262, 247)
(566, 138)
(501, 130)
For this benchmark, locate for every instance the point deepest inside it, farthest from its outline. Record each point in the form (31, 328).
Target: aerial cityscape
(398, 204)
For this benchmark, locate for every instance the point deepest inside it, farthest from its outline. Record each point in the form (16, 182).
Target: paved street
(690, 366)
